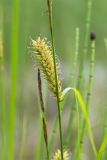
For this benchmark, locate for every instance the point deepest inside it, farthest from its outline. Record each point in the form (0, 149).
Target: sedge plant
(45, 63)
(45, 57)
(55, 70)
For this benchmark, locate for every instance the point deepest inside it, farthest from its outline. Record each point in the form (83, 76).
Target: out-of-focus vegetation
(33, 22)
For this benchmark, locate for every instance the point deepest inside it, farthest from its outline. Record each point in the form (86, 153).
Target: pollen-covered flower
(43, 54)
(57, 155)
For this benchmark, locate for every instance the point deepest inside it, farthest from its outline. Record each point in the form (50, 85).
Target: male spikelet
(57, 155)
(43, 54)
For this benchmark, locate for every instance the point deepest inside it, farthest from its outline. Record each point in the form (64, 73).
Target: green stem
(14, 59)
(23, 138)
(83, 109)
(85, 47)
(68, 132)
(78, 139)
(104, 156)
(77, 38)
(2, 86)
(39, 154)
(70, 81)
(80, 81)
(39, 151)
(89, 92)
(56, 77)
(44, 123)
(52, 138)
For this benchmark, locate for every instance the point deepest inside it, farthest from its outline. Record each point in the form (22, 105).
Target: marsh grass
(55, 70)
(46, 149)
(14, 69)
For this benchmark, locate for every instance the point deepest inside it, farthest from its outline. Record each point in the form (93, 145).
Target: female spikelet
(43, 55)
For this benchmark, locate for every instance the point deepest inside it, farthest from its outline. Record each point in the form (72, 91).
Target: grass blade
(83, 108)
(102, 148)
(14, 59)
(80, 81)
(2, 88)
(23, 138)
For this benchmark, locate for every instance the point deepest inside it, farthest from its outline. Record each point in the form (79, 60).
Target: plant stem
(2, 86)
(39, 143)
(80, 81)
(14, 61)
(104, 157)
(23, 137)
(55, 69)
(68, 132)
(43, 113)
(90, 86)
(75, 59)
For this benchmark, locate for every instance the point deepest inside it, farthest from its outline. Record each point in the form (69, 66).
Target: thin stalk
(104, 157)
(71, 81)
(52, 138)
(85, 48)
(23, 138)
(80, 81)
(83, 109)
(55, 126)
(44, 123)
(55, 69)
(2, 87)
(78, 138)
(39, 143)
(77, 38)
(14, 59)
(90, 87)
(75, 60)
(39, 151)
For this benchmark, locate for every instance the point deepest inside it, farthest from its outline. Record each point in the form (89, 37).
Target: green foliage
(20, 20)
(14, 60)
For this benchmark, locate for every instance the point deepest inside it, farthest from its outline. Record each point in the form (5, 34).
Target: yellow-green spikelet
(43, 55)
(57, 155)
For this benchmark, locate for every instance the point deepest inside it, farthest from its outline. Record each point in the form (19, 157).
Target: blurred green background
(33, 22)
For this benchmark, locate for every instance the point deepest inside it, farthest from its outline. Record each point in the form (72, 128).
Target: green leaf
(102, 148)
(83, 108)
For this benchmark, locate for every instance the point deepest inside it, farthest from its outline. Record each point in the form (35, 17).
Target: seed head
(57, 155)
(92, 36)
(43, 54)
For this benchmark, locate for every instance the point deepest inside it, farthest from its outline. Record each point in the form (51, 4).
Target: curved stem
(83, 108)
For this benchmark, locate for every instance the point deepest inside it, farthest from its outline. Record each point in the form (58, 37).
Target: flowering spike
(43, 55)
(57, 155)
